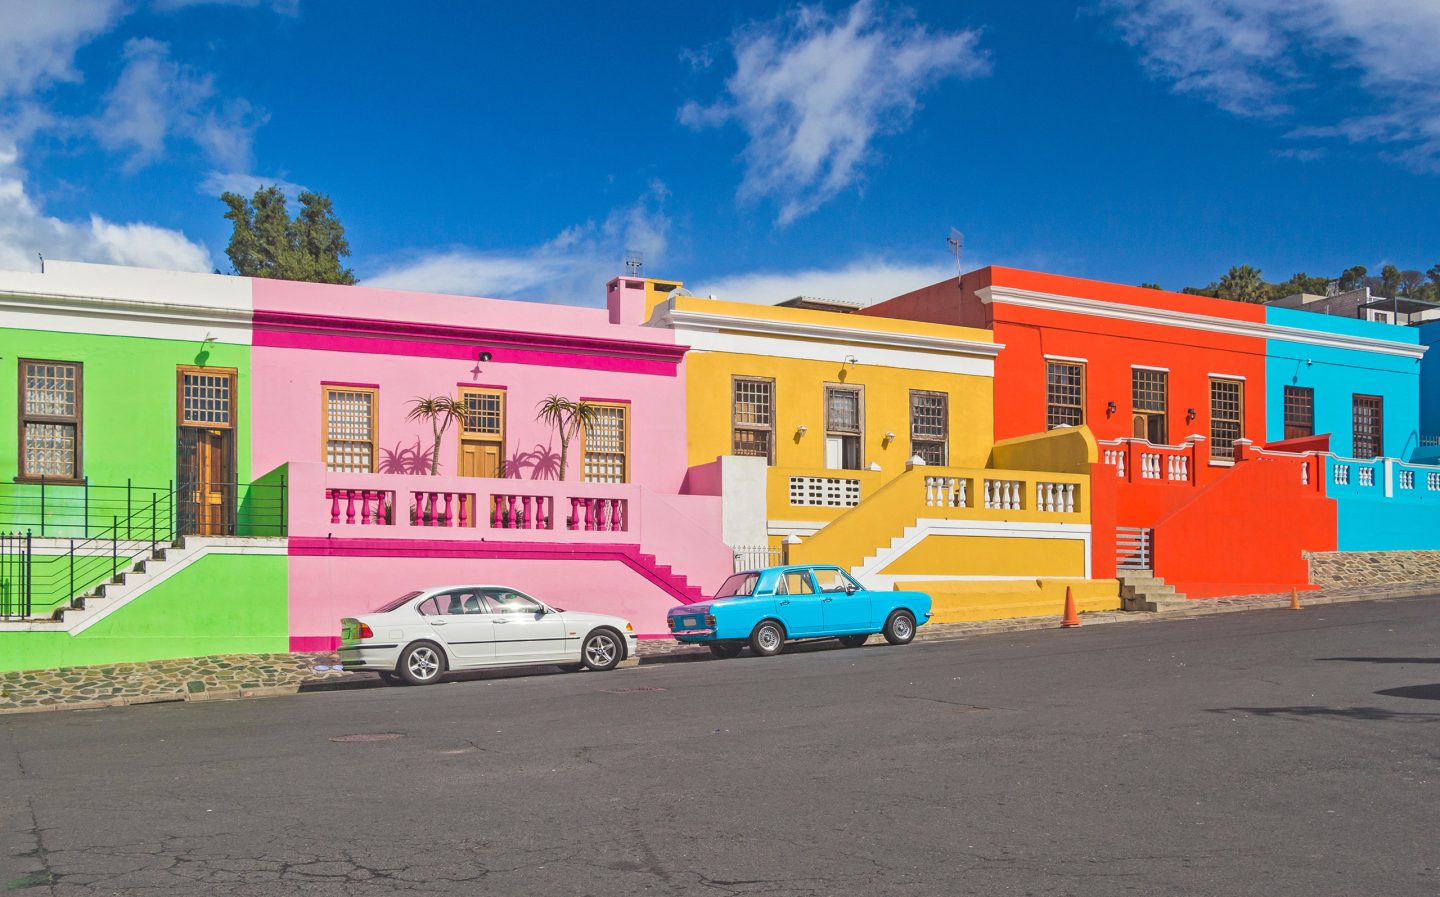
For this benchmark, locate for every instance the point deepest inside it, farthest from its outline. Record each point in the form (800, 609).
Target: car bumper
(691, 636)
(369, 657)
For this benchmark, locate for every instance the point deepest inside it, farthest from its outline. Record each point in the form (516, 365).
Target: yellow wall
(991, 556)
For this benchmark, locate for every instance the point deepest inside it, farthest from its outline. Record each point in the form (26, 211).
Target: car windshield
(392, 605)
(740, 584)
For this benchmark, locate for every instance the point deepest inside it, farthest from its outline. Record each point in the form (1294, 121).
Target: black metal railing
(15, 596)
(58, 542)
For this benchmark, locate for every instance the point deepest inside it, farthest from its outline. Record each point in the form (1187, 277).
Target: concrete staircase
(884, 554)
(1142, 590)
(665, 576)
(113, 593)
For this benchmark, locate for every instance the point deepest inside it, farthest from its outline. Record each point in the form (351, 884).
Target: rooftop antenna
(957, 246)
(42, 261)
(634, 262)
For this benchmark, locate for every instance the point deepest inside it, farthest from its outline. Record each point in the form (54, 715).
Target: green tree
(1390, 281)
(568, 417)
(1353, 278)
(1434, 275)
(1243, 283)
(440, 411)
(266, 242)
(1412, 283)
(1151, 286)
(1302, 283)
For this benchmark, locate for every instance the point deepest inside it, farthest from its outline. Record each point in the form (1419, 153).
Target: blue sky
(754, 150)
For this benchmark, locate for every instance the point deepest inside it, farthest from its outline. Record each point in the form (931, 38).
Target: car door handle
(437, 622)
(826, 600)
(500, 620)
(783, 603)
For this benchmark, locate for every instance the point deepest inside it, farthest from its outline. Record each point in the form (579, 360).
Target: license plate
(689, 621)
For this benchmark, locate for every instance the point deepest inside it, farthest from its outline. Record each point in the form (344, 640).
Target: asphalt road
(1272, 752)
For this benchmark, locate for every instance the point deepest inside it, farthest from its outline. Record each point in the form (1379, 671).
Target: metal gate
(1134, 548)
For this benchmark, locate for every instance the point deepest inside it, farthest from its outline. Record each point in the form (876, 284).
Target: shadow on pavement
(1360, 714)
(1418, 692)
(1385, 659)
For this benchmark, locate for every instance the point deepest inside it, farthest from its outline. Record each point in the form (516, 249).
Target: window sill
(49, 481)
(1222, 462)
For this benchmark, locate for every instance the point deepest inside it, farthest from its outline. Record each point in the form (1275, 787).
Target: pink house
(335, 372)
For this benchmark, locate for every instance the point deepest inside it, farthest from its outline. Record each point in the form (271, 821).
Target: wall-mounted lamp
(485, 356)
(801, 430)
(889, 436)
(851, 359)
(1189, 415)
(1109, 409)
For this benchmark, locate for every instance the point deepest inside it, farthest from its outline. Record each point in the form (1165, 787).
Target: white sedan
(418, 637)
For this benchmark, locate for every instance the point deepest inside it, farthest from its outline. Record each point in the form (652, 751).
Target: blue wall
(1407, 519)
(1337, 374)
(1430, 382)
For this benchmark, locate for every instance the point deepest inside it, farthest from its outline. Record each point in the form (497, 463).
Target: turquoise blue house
(1430, 394)
(1360, 382)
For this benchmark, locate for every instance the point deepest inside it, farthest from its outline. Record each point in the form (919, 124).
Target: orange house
(1173, 387)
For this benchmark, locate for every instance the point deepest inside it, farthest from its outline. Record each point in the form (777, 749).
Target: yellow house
(877, 435)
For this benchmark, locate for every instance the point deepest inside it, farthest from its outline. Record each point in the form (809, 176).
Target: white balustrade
(1305, 474)
(1116, 459)
(946, 492)
(1342, 474)
(1432, 482)
(1055, 498)
(1367, 476)
(1004, 495)
(1149, 465)
(1407, 479)
(1177, 467)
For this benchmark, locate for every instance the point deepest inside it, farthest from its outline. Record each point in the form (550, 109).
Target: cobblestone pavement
(257, 675)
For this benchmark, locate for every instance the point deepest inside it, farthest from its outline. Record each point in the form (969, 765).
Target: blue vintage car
(765, 608)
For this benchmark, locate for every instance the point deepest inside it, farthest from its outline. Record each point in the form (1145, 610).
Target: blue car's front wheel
(768, 639)
(900, 628)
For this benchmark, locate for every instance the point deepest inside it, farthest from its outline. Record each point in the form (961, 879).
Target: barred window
(844, 428)
(1368, 423)
(1299, 412)
(350, 429)
(206, 397)
(606, 445)
(49, 419)
(484, 413)
(752, 419)
(1064, 394)
(1149, 404)
(1227, 400)
(929, 425)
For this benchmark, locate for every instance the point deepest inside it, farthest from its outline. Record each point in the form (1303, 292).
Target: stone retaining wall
(1331, 569)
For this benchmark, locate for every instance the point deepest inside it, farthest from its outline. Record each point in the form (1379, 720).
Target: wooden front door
(205, 451)
(482, 433)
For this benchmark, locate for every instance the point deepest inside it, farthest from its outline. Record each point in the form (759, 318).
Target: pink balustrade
(606, 515)
(513, 511)
(365, 507)
(441, 508)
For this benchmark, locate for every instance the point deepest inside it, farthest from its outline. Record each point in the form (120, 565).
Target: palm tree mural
(568, 417)
(441, 412)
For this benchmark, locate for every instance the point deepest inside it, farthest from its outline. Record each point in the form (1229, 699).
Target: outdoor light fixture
(889, 436)
(1189, 415)
(1110, 409)
(485, 356)
(851, 359)
(801, 430)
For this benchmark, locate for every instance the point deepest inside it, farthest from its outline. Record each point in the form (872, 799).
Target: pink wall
(325, 589)
(412, 344)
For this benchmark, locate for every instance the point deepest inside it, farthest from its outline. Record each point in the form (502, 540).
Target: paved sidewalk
(231, 677)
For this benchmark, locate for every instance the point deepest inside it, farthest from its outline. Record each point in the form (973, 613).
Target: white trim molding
(800, 528)
(1148, 367)
(1215, 376)
(1191, 321)
(870, 570)
(711, 332)
(124, 317)
(1069, 358)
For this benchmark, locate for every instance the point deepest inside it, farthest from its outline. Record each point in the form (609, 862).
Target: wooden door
(205, 451)
(482, 433)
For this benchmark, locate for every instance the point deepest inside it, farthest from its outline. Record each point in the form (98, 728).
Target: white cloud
(866, 281)
(38, 40)
(156, 99)
(25, 231)
(813, 91)
(1265, 58)
(284, 7)
(217, 182)
(573, 267)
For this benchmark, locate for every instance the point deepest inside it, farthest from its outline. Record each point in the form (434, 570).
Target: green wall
(220, 604)
(129, 400)
(127, 424)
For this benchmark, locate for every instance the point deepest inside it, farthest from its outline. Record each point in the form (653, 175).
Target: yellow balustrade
(947, 493)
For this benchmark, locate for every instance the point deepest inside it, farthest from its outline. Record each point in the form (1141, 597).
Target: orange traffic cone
(1294, 599)
(1071, 618)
